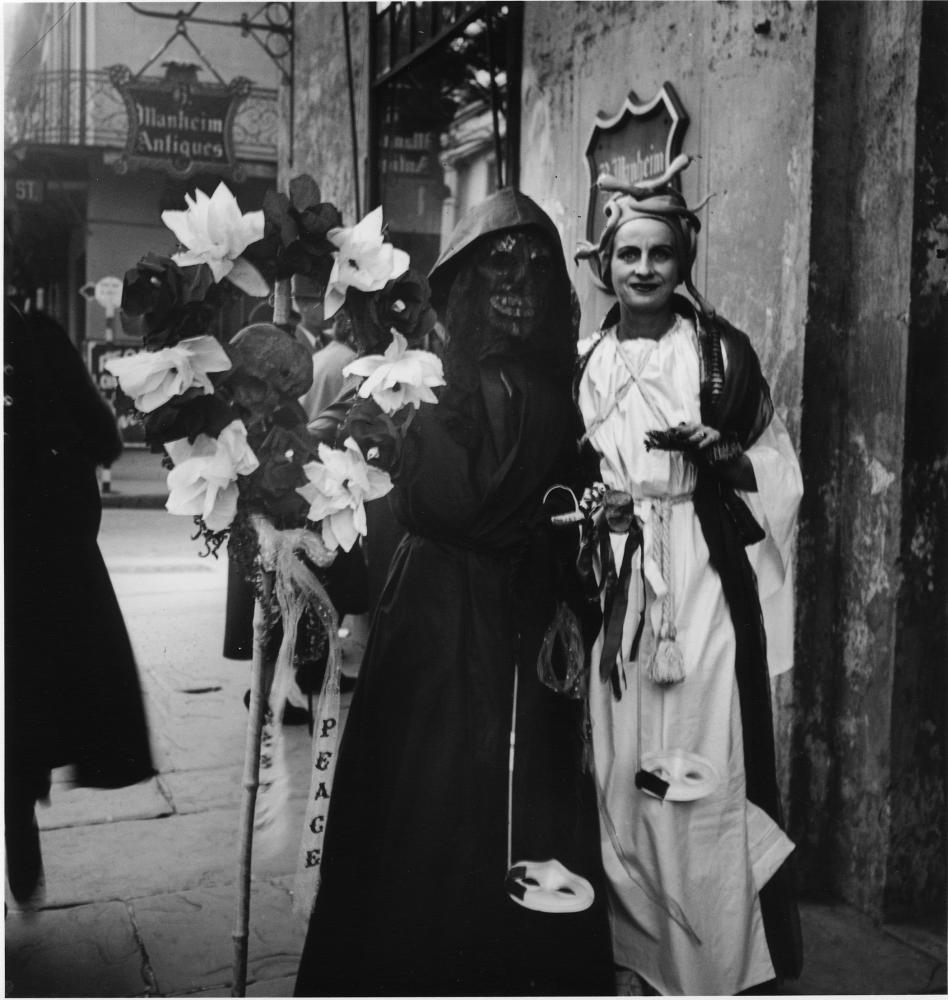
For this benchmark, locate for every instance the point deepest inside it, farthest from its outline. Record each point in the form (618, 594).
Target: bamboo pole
(281, 301)
(258, 695)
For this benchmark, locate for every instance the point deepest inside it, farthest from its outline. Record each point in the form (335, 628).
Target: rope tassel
(667, 665)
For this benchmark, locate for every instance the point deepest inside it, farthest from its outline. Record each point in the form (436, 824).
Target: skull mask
(515, 271)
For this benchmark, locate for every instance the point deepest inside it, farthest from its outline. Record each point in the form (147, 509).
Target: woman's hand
(736, 471)
(682, 437)
(698, 436)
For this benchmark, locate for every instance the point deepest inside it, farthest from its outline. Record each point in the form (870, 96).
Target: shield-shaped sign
(635, 144)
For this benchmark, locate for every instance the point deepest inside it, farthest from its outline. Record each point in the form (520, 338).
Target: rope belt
(654, 514)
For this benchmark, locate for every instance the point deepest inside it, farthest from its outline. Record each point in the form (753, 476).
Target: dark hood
(503, 210)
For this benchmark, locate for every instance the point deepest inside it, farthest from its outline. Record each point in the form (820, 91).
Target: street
(140, 882)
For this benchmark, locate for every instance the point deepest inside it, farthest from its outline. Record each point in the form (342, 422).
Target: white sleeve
(775, 505)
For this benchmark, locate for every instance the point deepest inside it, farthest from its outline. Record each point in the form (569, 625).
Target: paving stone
(222, 787)
(76, 952)
(273, 987)
(86, 806)
(128, 860)
(188, 937)
(266, 988)
(207, 788)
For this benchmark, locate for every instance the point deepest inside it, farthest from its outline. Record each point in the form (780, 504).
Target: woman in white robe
(687, 856)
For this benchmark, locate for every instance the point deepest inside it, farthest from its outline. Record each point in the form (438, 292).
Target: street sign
(108, 293)
(29, 190)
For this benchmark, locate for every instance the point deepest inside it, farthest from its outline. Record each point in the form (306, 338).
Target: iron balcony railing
(84, 109)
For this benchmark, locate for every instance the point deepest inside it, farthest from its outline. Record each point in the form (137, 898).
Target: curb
(147, 501)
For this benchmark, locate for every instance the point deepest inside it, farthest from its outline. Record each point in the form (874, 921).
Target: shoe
(24, 857)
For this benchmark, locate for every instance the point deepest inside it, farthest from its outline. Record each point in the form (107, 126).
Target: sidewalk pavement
(141, 881)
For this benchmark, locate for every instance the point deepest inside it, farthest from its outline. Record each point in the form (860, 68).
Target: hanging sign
(635, 144)
(179, 125)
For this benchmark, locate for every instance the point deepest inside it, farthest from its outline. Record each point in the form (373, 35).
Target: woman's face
(643, 267)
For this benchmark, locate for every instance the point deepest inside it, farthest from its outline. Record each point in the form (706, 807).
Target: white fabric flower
(216, 233)
(151, 378)
(363, 260)
(204, 478)
(339, 484)
(399, 376)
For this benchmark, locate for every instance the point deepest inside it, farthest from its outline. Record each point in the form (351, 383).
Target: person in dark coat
(413, 899)
(72, 689)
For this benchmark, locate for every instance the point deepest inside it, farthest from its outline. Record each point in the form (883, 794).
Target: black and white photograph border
(330, 330)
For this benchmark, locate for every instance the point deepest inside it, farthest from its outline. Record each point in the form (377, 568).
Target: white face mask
(689, 775)
(549, 887)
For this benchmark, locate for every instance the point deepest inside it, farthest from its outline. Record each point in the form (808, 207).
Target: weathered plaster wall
(915, 880)
(852, 443)
(322, 140)
(744, 73)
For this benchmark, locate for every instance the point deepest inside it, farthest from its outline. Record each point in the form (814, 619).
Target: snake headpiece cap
(653, 199)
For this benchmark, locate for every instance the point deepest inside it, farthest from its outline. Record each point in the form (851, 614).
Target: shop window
(444, 115)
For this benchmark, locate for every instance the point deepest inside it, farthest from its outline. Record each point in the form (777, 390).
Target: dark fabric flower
(295, 231)
(186, 416)
(377, 434)
(271, 488)
(169, 302)
(404, 304)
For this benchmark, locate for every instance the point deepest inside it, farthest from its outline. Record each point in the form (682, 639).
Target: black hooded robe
(412, 899)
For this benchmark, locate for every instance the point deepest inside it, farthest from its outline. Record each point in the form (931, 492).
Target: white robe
(712, 855)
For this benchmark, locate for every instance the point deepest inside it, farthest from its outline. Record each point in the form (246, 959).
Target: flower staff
(242, 456)
(698, 516)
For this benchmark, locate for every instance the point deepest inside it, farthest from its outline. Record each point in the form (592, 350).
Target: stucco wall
(915, 879)
(852, 444)
(322, 139)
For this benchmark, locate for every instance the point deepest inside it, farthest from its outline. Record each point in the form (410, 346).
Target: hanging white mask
(548, 886)
(689, 775)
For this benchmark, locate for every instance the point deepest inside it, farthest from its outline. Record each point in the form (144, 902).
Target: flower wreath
(226, 414)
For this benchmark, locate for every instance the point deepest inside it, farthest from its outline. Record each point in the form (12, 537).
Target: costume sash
(297, 586)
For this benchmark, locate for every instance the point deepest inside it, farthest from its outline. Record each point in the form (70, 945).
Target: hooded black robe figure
(412, 899)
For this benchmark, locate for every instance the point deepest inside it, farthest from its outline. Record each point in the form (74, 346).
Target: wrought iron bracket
(274, 33)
